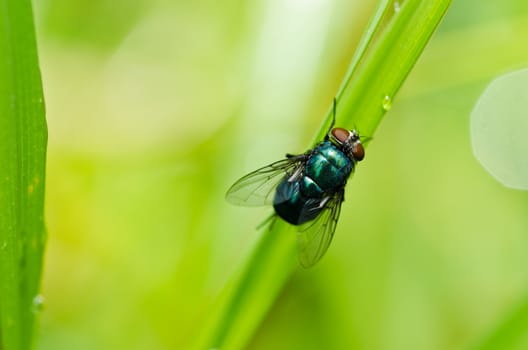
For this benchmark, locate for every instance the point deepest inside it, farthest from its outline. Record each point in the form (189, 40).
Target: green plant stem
(388, 50)
(23, 138)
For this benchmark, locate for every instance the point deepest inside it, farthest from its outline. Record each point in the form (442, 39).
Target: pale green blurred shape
(155, 108)
(499, 129)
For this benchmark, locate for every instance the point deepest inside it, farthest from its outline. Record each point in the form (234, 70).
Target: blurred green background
(156, 107)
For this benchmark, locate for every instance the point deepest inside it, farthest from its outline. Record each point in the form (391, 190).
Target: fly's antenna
(364, 139)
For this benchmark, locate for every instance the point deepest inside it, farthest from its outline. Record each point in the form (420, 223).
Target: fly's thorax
(328, 166)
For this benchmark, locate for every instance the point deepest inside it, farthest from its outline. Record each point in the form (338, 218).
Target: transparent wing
(258, 187)
(315, 236)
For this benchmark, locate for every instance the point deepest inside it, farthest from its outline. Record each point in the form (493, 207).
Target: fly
(306, 190)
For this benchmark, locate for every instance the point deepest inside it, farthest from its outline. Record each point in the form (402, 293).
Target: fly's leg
(269, 222)
(299, 157)
(334, 112)
(293, 156)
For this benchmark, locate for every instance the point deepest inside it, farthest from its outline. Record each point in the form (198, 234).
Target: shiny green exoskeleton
(325, 172)
(306, 190)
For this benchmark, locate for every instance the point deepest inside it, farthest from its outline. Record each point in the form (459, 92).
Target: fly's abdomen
(292, 205)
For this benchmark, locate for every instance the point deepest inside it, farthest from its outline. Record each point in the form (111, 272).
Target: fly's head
(350, 142)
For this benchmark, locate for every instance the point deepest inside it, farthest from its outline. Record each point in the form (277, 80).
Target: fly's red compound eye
(340, 134)
(358, 152)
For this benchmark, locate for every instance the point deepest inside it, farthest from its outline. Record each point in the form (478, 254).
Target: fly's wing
(258, 187)
(315, 236)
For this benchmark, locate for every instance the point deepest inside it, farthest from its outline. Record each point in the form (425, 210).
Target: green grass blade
(510, 333)
(23, 138)
(378, 71)
(246, 299)
(388, 50)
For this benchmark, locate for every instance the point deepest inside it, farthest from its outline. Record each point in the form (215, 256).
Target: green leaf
(393, 41)
(23, 138)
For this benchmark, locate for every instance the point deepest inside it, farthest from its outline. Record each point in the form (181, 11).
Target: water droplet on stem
(386, 103)
(38, 303)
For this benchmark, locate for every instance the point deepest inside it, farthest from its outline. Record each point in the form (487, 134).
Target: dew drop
(386, 103)
(396, 6)
(38, 303)
(4, 245)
